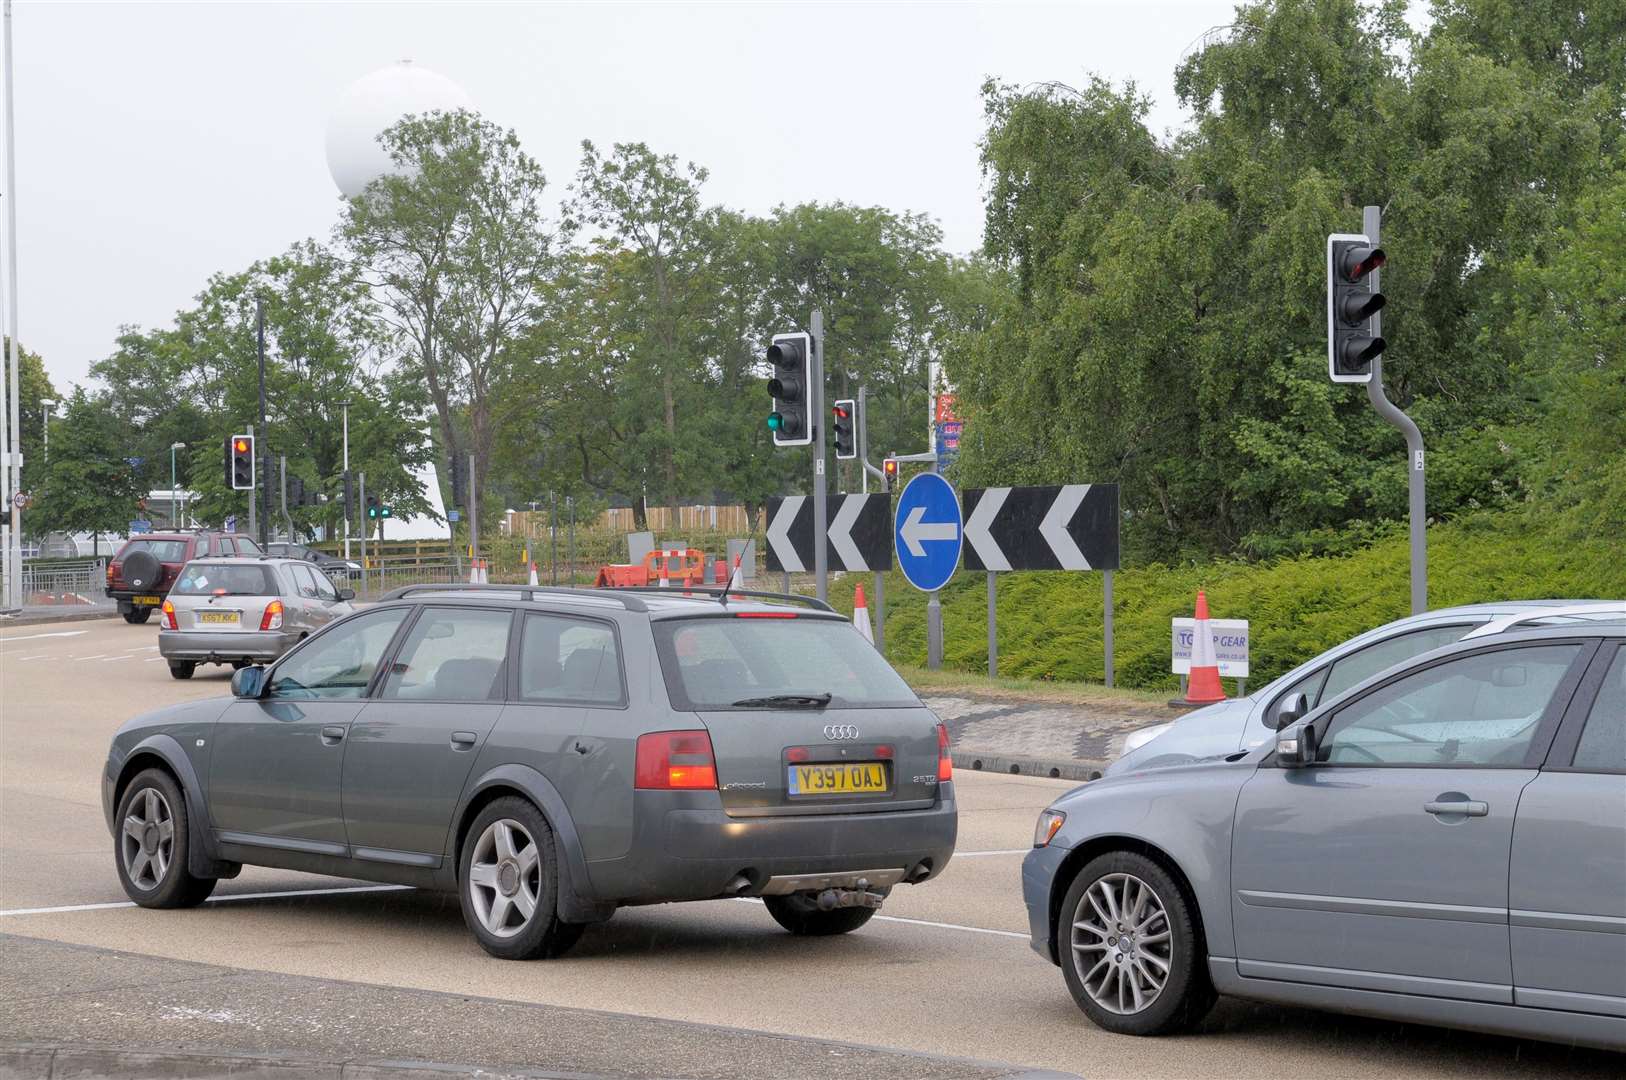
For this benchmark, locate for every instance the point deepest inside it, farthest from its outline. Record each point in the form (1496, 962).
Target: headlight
(1137, 739)
(1045, 830)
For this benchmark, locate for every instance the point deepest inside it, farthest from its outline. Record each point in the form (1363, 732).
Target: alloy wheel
(505, 877)
(1121, 945)
(147, 842)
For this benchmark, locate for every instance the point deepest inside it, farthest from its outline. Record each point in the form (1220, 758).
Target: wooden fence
(724, 519)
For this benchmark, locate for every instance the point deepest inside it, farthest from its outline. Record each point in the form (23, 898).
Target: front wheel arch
(1080, 857)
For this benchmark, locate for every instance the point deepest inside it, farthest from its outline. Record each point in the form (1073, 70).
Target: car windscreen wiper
(784, 701)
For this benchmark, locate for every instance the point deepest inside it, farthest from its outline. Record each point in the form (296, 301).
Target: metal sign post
(361, 499)
(927, 534)
(254, 491)
(1371, 220)
(993, 637)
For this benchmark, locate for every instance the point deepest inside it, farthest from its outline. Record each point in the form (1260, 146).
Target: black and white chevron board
(860, 533)
(1072, 527)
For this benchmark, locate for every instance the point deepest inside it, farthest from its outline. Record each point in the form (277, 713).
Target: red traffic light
(1359, 261)
(840, 411)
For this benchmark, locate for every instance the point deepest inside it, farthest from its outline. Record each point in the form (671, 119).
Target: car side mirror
(347, 594)
(247, 682)
(1290, 708)
(1296, 749)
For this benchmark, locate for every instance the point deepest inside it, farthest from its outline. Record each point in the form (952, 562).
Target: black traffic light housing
(791, 387)
(240, 462)
(373, 511)
(296, 491)
(1352, 343)
(844, 426)
(889, 469)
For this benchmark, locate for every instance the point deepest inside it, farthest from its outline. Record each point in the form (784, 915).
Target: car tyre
(182, 669)
(150, 844)
(137, 616)
(799, 913)
(1124, 892)
(508, 885)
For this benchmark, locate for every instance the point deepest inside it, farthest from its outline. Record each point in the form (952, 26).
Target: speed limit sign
(21, 500)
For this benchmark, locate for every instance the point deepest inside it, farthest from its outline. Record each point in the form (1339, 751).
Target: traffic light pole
(866, 472)
(263, 494)
(361, 501)
(816, 416)
(1371, 219)
(254, 492)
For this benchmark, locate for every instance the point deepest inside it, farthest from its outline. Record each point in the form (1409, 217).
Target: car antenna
(722, 597)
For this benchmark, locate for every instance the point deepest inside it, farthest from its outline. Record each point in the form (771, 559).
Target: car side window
(452, 654)
(340, 663)
(1482, 709)
(324, 586)
(570, 659)
(303, 582)
(1362, 664)
(1603, 739)
(245, 546)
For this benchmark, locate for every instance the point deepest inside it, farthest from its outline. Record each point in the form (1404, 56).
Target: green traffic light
(775, 422)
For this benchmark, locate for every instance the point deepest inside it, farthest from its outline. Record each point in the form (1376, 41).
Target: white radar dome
(372, 104)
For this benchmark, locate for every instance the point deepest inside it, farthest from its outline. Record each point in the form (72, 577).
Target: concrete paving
(945, 970)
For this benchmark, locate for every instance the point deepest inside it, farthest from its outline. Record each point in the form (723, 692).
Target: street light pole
(345, 405)
(47, 407)
(14, 465)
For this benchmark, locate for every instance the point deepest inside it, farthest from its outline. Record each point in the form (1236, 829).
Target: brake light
(765, 615)
(110, 574)
(169, 616)
(675, 760)
(272, 619)
(945, 764)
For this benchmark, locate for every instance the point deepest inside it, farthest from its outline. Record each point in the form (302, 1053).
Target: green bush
(1050, 624)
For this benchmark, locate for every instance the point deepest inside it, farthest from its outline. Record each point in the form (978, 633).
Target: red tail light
(675, 760)
(169, 616)
(272, 619)
(945, 764)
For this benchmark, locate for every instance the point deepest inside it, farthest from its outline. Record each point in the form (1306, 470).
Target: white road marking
(54, 633)
(913, 922)
(212, 900)
(36, 656)
(153, 660)
(1002, 851)
(88, 656)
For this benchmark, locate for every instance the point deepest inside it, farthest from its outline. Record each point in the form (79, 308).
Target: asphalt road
(945, 970)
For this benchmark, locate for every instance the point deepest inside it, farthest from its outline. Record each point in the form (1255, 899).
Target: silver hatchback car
(243, 611)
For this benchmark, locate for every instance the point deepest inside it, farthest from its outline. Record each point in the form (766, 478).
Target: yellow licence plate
(146, 601)
(228, 618)
(858, 778)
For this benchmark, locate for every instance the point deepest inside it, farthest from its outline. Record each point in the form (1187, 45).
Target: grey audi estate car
(1444, 842)
(552, 754)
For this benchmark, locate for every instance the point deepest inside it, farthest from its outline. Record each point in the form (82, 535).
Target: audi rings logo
(840, 732)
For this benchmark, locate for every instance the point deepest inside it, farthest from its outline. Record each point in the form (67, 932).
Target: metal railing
(382, 576)
(82, 582)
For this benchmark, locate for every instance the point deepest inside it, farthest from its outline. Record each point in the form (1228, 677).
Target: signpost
(927, 533)
(1071, 527)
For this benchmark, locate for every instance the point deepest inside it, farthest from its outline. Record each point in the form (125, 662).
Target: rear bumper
(202, 646)
(681, 851)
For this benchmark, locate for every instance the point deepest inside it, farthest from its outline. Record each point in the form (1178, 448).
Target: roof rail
(522, 592)
(718, 590)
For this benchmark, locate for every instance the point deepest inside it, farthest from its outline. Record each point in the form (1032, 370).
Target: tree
(33, 387)
(452, 246)
(88, 485)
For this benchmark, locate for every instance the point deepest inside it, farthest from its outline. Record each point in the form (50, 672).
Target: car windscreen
(712, 663)
(225, 579)
(162, 550)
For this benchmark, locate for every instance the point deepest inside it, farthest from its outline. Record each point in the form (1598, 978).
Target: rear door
(872, 746)
(1568, 877)
(411, 747)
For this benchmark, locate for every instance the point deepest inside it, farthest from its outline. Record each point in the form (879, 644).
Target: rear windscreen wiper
(784, 701)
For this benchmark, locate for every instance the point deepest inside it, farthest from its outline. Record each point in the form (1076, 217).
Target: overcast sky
(158, 143)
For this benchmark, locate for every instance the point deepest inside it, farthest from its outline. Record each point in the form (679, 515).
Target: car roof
(654, 602)
(243, 560)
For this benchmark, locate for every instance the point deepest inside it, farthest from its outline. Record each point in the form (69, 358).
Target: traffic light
(791, 386)
(296, 491)
(373, 511)
(844, 421)
(460, 480)
(889, 469)
(349, 497)
(240, 462)
(1352, 344)
(385, 511)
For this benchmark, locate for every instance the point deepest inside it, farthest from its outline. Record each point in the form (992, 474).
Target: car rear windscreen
(710, 663)
(224, 579)
(162, 550)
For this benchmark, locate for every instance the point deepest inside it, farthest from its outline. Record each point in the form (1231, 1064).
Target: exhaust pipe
(737, 886)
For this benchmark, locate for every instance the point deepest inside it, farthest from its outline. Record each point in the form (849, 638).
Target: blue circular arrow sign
(928, 532)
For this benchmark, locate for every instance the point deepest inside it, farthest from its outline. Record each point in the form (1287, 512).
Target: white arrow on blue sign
(927, 532)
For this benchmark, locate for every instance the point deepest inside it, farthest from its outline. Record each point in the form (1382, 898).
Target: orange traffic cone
(861, 615)
(533, 574)
(1203, 684)
(474, 571)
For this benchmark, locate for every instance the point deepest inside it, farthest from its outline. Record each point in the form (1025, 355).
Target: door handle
(462, 740)
(333, 735)
(1467, 808)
